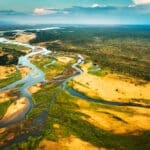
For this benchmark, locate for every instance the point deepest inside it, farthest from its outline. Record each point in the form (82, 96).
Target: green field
(10, 79)
(3, 108)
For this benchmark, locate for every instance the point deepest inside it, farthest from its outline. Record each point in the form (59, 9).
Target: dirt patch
(70, 143)
(36, 88)
(15, 109)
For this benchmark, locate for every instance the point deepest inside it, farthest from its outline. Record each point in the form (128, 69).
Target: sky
(29, 5)
(76, 11)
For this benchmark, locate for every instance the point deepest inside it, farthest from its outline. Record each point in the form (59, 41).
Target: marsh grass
(10, 79)
(3, 107)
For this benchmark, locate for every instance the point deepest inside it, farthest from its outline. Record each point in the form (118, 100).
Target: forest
(123, 49)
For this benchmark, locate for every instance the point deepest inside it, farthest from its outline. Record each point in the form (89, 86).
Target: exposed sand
(64, 59)
(8, 94)
(25, 37)
(35, 89)
(56, 126)
(24, 71)
(2, 130)
(4, 97)
(15, 109)
(6, 71)
(119, 120)
(70, 143)
(110, 87)
(103, 118)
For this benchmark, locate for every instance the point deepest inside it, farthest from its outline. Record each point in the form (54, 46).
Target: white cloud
(65, 12)
(95, 5)
(132, 5)
(42, 11)
(140, 2)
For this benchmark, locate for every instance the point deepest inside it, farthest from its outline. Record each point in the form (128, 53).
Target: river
(36, 75)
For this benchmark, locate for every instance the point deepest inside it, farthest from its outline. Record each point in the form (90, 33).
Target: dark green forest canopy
(123, 49)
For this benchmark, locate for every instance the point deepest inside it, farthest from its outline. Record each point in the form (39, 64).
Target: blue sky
(76, 11)
(30, 5)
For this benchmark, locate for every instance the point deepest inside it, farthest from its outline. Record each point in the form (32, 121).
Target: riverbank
(70, 143)
(15, 111)
(31, 76)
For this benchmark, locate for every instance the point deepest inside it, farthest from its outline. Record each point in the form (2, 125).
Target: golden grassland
(24, 37)
(112, 87)
(5, 71)
(120, 121)
(15, 109)
(69, 143)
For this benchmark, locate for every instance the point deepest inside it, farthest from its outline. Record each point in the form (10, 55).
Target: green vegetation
(3, 108)
(123, 49)
(9, 34)
(40, 61)
(56, 114)
(95, 70)
(1, 34)
(115, 108)
(10, 79)
(30, 143)
(51, 70)
(54, 106)
(73, 82)
(10, 53)
(12, 47)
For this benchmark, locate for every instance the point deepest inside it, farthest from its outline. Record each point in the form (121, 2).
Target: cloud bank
(95, 5)
(141, 2)
(43, 11)
(94, 14)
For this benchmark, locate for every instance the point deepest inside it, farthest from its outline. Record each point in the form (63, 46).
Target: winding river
(36, 76)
